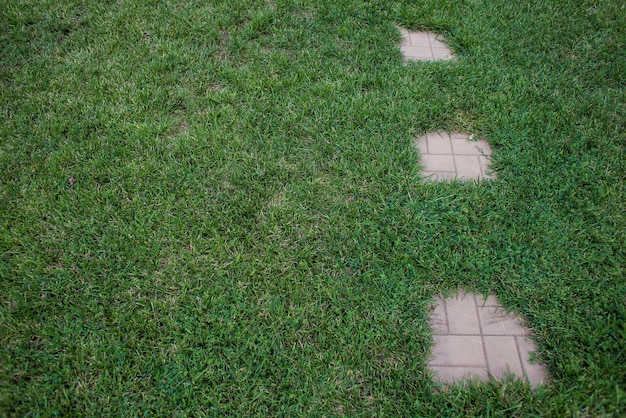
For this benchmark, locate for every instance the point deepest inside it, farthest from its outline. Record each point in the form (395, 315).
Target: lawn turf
(246, 232)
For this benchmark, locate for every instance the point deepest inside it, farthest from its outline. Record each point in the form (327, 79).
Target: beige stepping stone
(447, 156)
(476, 339)
(423, 46)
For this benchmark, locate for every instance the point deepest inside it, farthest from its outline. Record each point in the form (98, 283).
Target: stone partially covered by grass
(215, 207)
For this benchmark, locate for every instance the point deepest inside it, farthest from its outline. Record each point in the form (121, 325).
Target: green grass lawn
(246, 231)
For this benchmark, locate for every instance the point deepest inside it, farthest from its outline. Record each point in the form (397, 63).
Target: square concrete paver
(459, 351)
(476, 339)
(423, 46)
(447, 156)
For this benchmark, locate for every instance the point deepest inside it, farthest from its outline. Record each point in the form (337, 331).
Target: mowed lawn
(215, 208)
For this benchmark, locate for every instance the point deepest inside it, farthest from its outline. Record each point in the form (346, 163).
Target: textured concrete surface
(475, 338)
(423, 46)
(447, 156)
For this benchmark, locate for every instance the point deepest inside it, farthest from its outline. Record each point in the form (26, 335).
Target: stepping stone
(476, 339)
(423, 46)
(448, 156)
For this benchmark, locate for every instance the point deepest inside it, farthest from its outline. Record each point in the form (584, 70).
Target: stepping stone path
(423, 46)
(448, 156)
(476, 339)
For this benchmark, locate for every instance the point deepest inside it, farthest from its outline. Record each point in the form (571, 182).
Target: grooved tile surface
(447, 156)
(476, 339)
(423, 46)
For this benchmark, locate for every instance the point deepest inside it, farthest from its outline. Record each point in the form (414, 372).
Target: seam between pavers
(482, 340)
(519, 357)
(521, 360)
(456, 170)
(445, 312)
(459, 154)
(430, 46)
